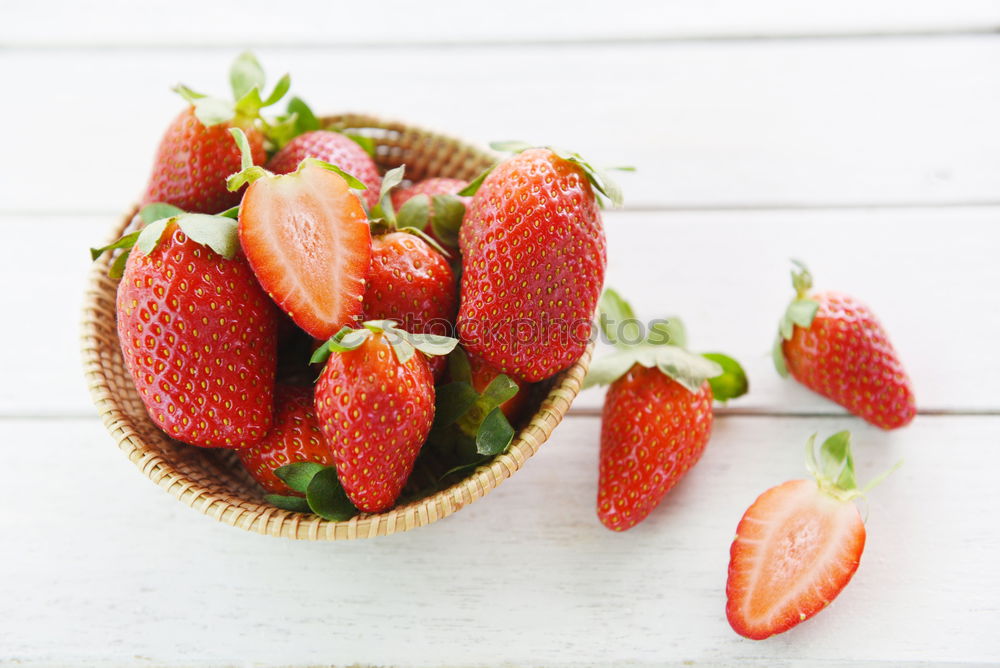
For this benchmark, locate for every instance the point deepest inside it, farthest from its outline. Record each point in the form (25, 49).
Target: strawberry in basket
(533, 261)
(375, 405)
(196, 153)
(198, 335)
(409, 281)
(307, 238)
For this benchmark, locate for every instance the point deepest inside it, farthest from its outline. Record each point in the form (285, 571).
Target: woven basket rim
(257, 516)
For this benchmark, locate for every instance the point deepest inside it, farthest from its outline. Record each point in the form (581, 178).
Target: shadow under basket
(214, 482)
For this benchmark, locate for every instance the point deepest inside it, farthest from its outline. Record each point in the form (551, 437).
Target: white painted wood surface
(157, 23)
(762, 130)
(105, 568)
(728, 124)
(725, 273)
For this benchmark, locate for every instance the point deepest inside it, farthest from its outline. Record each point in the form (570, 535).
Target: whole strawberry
(835, 346)
(443, 207)
(295, 436)
(533, 261)
(413, 284)
(375, 405)
(334, 148)
(198, 334)
(798, 545)
(657, 415)
(197, 153)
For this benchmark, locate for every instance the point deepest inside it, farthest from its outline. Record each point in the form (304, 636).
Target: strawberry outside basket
(212, 481)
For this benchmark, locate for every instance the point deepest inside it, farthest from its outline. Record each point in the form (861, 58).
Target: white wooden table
(862, 136)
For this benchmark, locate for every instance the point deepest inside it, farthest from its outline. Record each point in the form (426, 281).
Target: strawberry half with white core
(798, 545)
(307, 238)
(196, 153)
(657, 415)
(375, 405)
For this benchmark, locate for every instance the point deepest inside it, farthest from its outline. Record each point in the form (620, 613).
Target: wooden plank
(741, 124)
(725, 273)
(162, 23)
(100, 567)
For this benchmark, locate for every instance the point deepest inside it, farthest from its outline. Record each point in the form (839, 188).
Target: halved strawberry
(306, 237)
(797, 546)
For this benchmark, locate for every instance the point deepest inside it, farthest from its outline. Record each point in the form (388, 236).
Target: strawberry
(410, 280)
(375, 405)
(835, 346)
(413, 284)
(657, 415)
(443, 216)
(306, 236)
(198, 335)
(193, 161)
(334, 148)
(294, 437)
(533, 261)
(797, 546)
(196, 153)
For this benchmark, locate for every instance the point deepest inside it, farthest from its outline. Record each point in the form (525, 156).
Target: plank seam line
(556, 43)
(685, 208)
(720, 412)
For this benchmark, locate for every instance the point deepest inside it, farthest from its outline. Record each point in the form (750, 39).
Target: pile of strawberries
(281, 297)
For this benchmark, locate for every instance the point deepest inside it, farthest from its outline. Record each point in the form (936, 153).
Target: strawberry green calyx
(833, 467)
(403, 343)
(412, 217)
(246, 78)
(801, 311)
(599, 179)
(324, 494)
(249, 172)
(215, 232)
(662, 347)
(471, 422)
(298, 119)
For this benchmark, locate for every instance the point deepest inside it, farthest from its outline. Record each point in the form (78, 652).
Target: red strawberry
(193, 161)
(197, 153)
(653, 430)
(436, 187)
(835, 346)
(334, 148)
(483, 374)
(797, 546)
(307, 239)
(657, 415)
(413, 284)
(198, 334)
(294, 437)
(533, 261)
(375, 404)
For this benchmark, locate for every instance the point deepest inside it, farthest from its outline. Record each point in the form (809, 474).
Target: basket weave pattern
(213, 481)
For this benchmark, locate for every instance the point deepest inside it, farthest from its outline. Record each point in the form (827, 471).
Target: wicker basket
(212, 481)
